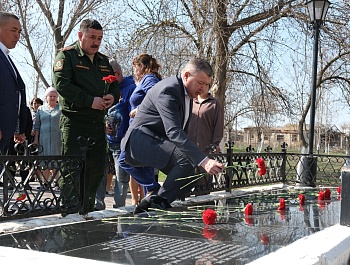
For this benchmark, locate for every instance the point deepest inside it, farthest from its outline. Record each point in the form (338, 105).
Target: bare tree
(249, 39)
(48, 25)
(260, 50)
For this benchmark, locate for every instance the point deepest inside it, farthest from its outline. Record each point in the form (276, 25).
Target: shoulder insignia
(67, 48)
(102, 56)
(58, 65)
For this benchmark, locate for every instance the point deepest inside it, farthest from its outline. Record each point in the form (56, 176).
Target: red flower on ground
(339, 190)
(249, 219)
(248, 210)
(282, 214)
(327, 194)
(21, 197)
(321, 195)
(322, 204)
(282, 205)
(264, 239)
(261, 166)
(209, 216)
(209, 233)
(301, 198)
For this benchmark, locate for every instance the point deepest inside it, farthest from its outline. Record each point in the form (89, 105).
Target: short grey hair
(115, 65)
(50, 89)
(5, 16)
(197, 65)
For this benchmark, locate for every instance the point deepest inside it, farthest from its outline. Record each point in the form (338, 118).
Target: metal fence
(242, 170)
(19, 200)
(34, 185)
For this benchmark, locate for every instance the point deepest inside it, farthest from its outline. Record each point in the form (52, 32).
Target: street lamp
(317, 13)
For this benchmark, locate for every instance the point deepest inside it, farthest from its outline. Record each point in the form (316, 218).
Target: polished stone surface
(179, 236)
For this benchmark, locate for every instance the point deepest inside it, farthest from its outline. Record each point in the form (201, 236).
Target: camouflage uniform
(78, 80)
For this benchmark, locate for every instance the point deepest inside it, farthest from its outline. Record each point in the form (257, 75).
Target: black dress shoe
(153, 192)
(142, 207)
(154, 201)
(159, 202)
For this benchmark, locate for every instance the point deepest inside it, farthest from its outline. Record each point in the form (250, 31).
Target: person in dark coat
(157, 136)
(12, 89)
(24, 172)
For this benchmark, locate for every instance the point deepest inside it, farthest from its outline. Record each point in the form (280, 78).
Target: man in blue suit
(13, 114)
(157, 136)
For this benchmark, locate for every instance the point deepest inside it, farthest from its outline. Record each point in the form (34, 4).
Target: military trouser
(71, 129)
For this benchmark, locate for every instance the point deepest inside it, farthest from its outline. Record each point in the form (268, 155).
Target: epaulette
(67, 48)
(102, 55)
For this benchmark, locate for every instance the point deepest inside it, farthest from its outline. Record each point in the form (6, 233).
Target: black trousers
(180, 176)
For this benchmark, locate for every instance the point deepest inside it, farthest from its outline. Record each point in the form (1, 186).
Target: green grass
(161, 176)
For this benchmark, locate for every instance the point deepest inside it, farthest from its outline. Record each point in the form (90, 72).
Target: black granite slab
(179, 236)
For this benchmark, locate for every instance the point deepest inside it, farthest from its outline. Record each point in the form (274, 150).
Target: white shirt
(7, 52)
(187, 108)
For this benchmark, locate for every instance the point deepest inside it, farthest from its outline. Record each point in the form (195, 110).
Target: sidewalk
(109, 201)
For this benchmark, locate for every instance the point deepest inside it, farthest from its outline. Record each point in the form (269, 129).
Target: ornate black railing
(20, 199)
(34, 185)
(288, 168)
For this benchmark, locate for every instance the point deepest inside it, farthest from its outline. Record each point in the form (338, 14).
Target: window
(280, 137)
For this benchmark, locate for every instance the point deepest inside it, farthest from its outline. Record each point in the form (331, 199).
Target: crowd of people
(141, 124)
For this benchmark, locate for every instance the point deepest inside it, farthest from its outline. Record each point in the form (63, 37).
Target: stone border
(330, 246)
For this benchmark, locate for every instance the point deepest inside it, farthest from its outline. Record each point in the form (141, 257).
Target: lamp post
(317, 13)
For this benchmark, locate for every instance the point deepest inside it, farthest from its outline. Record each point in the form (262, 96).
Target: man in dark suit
(13, 114)
(157, 136)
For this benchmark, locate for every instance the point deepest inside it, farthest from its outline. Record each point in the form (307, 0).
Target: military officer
(84, 98)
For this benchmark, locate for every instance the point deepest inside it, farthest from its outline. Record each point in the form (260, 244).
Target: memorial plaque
(183, 238)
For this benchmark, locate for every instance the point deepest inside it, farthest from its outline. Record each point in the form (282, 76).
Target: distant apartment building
(326, 137)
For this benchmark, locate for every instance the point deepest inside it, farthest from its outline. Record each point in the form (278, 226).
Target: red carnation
(282, 214)
(248, 210)
(209, 216)
(21, 197)
(209, 233)
(249, 220)
(282, 205)
(322, 204)
(109, 79)
(339, 189)
(327, 194)
(321, 195)
(301, 198)
(264, 239)
(261, 166)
